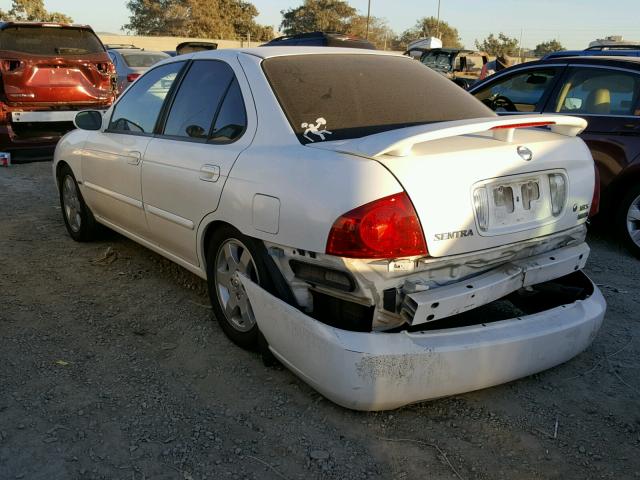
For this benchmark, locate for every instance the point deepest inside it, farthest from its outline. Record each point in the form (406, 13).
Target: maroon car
(606, 92)
(48, 71)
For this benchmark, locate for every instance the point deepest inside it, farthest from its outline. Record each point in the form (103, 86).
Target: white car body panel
(111, 166)
(167, 194)
(381, 371)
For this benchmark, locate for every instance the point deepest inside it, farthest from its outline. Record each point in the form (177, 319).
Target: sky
(574, 22)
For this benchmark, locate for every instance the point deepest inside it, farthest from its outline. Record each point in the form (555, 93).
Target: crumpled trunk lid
(32, 79)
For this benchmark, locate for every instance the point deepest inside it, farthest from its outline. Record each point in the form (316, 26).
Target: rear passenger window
(232, 119)
(137, 111)
(196, 103)
(597, 91)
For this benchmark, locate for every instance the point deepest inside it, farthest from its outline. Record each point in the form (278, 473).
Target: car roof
(270, 52)
(317, 34)
(450, 50)
(4, 25)
(614, 52)
(619, 61)
(135, 51)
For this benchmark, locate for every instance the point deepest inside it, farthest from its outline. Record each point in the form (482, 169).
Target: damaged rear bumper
(378, 371)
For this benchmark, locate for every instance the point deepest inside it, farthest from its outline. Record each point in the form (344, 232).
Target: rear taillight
(595, 202)
(132, 76)
(385, 228)
(481, 205)
(106, 68)
(10, 65)
(558, 190)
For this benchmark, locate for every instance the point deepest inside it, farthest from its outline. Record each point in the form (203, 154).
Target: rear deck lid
(54, 64)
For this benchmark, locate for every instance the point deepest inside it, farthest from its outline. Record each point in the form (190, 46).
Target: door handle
(210, 173)
(133, 157)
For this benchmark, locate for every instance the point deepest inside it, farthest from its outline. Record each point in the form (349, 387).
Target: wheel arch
(59, 166)
(618, 189)
(281, 287)
(205, 238)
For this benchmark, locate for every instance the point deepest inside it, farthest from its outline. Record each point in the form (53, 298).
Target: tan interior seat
(599, 102)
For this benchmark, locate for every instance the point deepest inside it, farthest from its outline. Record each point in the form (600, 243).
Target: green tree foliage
(544, 48)
(430, 27)
(33, 11)
(379, 32)
(318, 15)
(336, 16)
(228, 19)
(501, 45)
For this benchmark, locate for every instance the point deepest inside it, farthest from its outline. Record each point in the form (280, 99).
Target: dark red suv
(48, 72)
(605, 91)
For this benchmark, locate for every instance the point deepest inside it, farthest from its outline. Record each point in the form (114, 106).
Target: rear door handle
(210, 173)
(133, 157)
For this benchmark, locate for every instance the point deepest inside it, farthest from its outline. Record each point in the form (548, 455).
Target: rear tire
(78, 219)
(231, 253)
(629, 220)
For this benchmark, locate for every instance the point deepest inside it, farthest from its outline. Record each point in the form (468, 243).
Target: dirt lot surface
(111, 366)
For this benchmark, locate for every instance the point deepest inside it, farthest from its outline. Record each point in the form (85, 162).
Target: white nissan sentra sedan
(374, 227)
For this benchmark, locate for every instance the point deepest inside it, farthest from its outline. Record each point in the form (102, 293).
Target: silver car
(131, 62)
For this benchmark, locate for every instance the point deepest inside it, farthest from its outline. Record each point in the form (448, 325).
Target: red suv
(48, 71)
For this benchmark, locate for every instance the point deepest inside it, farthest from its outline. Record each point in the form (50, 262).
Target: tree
(544, 48)
(379, 32)
(318, 15)
(33, 11)
(229, 19)
(502, 45)
(430, 27)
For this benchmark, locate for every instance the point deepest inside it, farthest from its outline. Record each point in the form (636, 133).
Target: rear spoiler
(400, 142)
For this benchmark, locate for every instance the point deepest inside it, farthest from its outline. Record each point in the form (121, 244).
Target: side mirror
(88, 120)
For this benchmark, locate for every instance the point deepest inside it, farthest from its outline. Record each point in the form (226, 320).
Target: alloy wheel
(233, 258)
(71, 203)
(633, 221)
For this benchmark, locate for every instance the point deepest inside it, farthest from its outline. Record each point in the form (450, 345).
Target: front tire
(629, 220)
(231, 254)
(78, 219)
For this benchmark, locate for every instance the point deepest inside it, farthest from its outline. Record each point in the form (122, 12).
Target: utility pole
(521, 52)
(438, 22)
(368, 19)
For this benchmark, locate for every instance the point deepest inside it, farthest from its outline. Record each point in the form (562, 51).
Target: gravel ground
(111, 367)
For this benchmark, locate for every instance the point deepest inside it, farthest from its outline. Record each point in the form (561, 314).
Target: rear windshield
(336, 97)
(143, 59)
(53, 41)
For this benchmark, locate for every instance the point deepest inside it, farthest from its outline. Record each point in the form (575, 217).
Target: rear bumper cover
(379, 371)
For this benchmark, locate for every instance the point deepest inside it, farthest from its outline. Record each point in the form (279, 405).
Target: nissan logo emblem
(525, 153)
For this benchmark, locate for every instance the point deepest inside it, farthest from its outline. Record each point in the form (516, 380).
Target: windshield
(52, 41)
(334, 97)
(143, 60)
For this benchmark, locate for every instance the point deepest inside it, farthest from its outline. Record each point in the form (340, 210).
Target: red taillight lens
(10, 65)
(132, 76)
(385, 228)
(595, 202)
